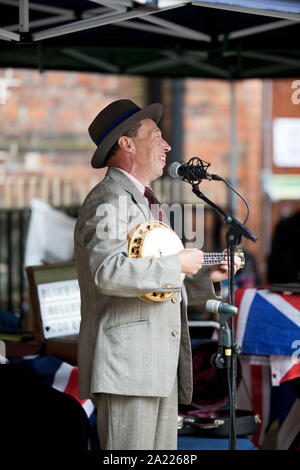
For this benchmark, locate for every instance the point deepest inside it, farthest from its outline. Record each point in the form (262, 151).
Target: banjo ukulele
(154, 239)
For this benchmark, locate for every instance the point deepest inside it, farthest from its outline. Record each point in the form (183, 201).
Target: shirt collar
(138, 184)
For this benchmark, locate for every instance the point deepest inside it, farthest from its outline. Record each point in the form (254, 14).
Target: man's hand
(190, 260)
(219, 272)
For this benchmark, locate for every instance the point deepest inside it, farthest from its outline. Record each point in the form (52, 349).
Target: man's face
(150, 151)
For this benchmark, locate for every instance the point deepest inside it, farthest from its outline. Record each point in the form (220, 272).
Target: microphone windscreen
(212, 306)
(173, 169)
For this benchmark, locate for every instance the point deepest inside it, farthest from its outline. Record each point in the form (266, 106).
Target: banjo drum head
(161, 241)
(153, 239)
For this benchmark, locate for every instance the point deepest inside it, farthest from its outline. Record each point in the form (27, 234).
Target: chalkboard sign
(55, 300)
(60, 308)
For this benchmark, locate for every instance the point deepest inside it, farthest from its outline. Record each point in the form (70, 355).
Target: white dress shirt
(138, 184)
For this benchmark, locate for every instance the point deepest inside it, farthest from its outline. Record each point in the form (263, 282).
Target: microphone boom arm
(237, 229)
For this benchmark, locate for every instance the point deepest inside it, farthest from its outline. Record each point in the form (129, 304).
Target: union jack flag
(268, 331)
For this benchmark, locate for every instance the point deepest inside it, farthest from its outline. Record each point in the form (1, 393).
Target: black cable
(204, 167)
(244, 200)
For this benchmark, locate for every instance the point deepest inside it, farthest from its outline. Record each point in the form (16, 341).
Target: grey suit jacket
(128, 346)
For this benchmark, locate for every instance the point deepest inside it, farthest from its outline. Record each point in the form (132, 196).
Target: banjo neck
(214, 258)
(217, 258)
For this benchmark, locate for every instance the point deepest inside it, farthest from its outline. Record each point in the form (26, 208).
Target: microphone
(215, 306)
(222, 359)
(191, 172)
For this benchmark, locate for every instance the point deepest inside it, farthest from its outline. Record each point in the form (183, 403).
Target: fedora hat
(115, 120)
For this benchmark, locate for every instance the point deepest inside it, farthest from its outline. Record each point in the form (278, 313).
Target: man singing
(134, 357)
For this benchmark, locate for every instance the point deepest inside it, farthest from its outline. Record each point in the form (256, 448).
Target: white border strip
(243, 314)
(62, 377)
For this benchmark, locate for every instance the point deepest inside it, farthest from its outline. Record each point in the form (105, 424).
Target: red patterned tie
(154, 205)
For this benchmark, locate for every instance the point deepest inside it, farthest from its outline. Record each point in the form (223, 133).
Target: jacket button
(174, 333)
(174, 300)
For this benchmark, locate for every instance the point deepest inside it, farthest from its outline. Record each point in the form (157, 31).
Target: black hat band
(116, 123)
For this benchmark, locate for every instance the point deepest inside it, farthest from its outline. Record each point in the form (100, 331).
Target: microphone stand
(233, 238)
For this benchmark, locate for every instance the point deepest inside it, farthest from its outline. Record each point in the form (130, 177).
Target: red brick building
(45, 149)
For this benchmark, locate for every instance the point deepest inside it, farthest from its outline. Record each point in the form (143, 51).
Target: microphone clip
(217, 360)
(194, 167)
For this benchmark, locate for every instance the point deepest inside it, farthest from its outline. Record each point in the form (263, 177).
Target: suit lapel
(131, 188)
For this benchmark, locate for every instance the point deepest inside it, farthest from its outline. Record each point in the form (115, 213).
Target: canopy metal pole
(23, 16)
(267, 165)
(177, 118)
(250, 10)
(177, 131)
(233, 147)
